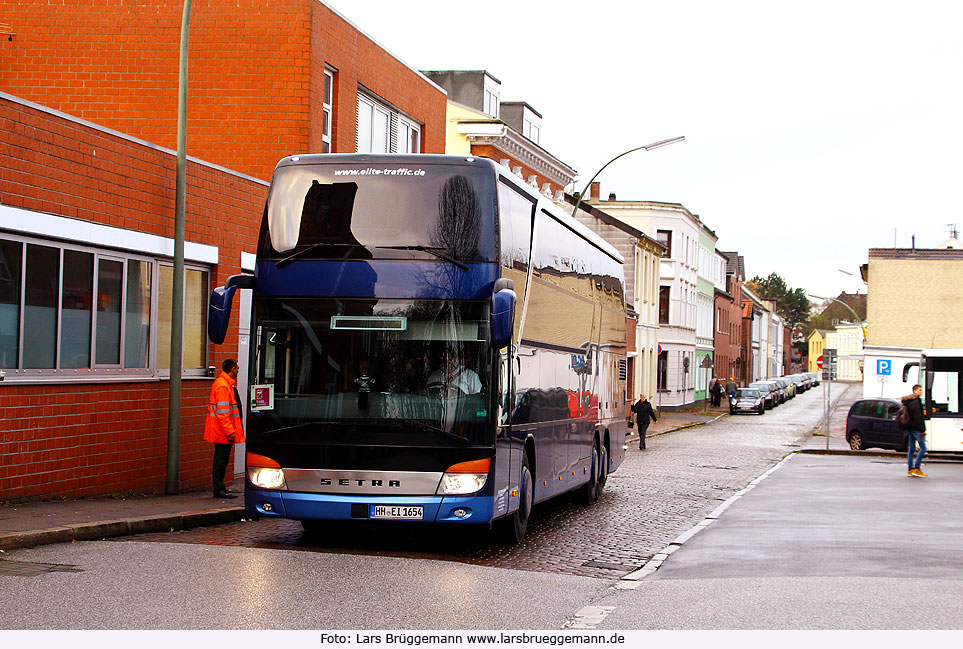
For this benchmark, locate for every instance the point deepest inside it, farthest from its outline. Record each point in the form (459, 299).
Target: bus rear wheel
(592, 490)
(513, 527)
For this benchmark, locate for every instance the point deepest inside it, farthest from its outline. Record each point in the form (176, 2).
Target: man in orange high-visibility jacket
(223, 427)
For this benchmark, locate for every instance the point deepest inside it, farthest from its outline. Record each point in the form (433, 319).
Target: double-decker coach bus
(431, 340)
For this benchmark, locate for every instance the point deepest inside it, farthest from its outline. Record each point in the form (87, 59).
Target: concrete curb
(122, 527)
(635, 435)
(654, 563)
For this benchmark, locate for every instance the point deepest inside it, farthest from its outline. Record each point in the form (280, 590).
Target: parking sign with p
(884, 366)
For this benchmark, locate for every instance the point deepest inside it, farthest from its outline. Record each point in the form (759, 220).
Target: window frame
(327, 111)
(99, 371)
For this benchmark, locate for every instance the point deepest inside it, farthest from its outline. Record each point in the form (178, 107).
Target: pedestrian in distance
(643, 414)
(731, 387)
(716, 391)
(916, 432)
(223, 425)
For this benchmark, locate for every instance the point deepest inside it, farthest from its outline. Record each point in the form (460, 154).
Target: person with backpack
(916, 431)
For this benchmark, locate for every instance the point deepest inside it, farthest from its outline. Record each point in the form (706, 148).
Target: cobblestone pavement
(653, 497)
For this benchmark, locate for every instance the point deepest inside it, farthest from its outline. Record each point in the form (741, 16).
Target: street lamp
(647, 147)
(855, 315)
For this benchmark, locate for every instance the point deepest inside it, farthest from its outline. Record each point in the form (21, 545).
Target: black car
(871, 423)
(747, 400)
(766, 390)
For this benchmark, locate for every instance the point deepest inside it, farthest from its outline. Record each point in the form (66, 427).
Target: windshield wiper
(314, 246)
(431, 251)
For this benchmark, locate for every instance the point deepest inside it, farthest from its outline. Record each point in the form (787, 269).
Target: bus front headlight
(462, 483)
(464, 478)
(264, 472)
(266, 477)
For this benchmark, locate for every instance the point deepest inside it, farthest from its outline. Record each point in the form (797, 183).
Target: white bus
(942, 374)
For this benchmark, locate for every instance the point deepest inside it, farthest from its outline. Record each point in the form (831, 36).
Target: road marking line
(588, 617)
(656, 561)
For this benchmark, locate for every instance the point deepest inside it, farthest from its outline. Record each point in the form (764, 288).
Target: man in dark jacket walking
(916, 429)
(643, 413)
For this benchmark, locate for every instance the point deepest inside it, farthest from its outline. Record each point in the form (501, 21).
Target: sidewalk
(62, 521)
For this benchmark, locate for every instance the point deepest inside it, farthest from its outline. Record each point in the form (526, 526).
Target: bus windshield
(342, 210)
(373, 371)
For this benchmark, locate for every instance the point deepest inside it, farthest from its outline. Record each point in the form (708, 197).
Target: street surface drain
(604, 566)
(30, 569)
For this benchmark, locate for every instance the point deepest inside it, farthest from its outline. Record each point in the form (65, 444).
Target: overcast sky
(814, 131)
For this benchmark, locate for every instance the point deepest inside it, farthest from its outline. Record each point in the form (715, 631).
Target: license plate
(409, 512)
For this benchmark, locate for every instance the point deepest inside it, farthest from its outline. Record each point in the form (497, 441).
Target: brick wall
(93, 438)
(255, 74)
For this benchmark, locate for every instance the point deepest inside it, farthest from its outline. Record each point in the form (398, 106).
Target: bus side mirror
(219, 306)
(503, 314)
(906, 369)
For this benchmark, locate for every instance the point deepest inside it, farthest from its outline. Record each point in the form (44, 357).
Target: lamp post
(171, 485)
(827, 389)
(647, 147)
(855, 315)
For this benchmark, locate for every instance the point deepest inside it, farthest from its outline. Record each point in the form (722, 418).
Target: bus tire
(513, 527)
(603, 467)
(591, 491)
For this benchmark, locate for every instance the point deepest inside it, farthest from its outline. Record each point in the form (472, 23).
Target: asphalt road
(822, 542)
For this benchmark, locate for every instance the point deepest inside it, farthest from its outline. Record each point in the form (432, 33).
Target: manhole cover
(30, 569)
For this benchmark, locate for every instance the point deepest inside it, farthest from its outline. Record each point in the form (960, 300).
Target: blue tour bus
(431, 340)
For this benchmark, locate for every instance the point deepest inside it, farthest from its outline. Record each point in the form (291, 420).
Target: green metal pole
(177, 292)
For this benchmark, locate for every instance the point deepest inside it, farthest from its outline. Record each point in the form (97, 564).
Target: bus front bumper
(268, 503)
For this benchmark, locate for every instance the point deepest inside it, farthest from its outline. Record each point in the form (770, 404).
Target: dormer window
(492, 97)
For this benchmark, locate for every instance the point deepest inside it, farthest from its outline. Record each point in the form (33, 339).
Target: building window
(662, 371)
(194, 347)
(492, 101)
(665, 238)
(374, 127)
(382, 129)
(409, 136)
(531, 130)
(664, 304)
(327, 111)
(75, 311)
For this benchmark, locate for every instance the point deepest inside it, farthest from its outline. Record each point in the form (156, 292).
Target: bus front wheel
(514, 525)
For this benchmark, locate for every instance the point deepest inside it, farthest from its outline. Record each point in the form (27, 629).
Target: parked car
(801, 382)
(788, 386)
(871, 423)
(747, 400)
(779, 390)
(767, 392)
(814, 377)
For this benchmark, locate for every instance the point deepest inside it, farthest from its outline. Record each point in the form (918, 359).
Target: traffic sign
(819, 362)
(884, 366)
(660, 349)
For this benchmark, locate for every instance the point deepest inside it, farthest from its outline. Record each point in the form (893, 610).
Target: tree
(791, 303)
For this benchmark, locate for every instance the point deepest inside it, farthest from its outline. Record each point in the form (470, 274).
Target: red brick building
(87, 207)
(86, 226)
(266, 80)
(729, 361)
